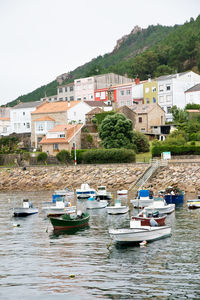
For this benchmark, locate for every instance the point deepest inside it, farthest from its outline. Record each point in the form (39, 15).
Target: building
(5, 126)
(20, 116)
(171, 90)
(192, 95)
(148, 115)
(138, 92)
(49, 99)
(61, 137)
(49, 114)
(86, 87)
(129, 114)
(65, 92)
(124, 94)
(162, 131)
(150, 93)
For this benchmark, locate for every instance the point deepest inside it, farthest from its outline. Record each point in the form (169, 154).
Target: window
(98, 95)
(128, 92)
(66, 89)
(61, 99)
(27, 125)
(153, 89)
(62, 135)
(161, 99)
(55, 146)
(66, 98)
(74, 113)
(71, 88)
(71, 98)
(146, 90)
(154, 100)
(168, 109)
(24, 124)
(4, 129)
(78, 81)
(89, 79)
(15, 125)
(142, 129)
(60, 90)
(161, 88)
(23, 113)
(103, 95)
(140, 119)
(79, 98)
(147, 100)
(84, 98)
(168, 87)
(169, 98)
(39, 127)
(122, 93)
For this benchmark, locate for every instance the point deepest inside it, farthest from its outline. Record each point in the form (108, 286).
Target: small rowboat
(117, 208)
(67, 222)
(146, 220)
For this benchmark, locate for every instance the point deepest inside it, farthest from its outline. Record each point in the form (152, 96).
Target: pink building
(124, 94)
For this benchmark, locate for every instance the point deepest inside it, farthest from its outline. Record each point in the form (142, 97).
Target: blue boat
(174, 195)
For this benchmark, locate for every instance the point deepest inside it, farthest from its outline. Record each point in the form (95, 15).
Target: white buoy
(144, 243)
(16, 225)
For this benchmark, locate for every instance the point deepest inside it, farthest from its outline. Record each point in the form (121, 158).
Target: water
(36, 263)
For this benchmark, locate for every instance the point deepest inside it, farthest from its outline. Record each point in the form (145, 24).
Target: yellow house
(150, 92)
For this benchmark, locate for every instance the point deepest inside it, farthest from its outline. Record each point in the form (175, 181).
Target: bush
(89, 138)
(100, 156)
(42, 157)
(63, 156)
(79, 155)
(141, 141)
(176, 150)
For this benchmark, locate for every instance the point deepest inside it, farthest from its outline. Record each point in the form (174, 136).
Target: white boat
(93, 203)
(122, 192)
(117, 208)
(59, 208)
(138, 233)
(85, 191)
(161, 206)
(144, 199)
(26, 209)
(193, 204)
(102, 193)
(62, 194)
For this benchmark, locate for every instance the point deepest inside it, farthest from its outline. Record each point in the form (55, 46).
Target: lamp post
(75, 162)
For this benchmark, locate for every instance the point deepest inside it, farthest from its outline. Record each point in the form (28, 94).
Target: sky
(41, 39)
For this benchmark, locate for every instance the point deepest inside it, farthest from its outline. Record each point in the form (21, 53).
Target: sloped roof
(170, 76)
(45, 118)
(194, 88)
(143, 108)
(53, 107)
(63, 127)
(4, 119)
(96, 103)
(27, 104)
(94, 111)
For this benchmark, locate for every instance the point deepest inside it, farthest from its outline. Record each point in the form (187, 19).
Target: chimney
(137, 80)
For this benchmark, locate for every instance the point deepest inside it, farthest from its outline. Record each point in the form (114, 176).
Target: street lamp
(75, 162)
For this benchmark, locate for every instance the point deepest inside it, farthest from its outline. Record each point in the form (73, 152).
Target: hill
(154, 51)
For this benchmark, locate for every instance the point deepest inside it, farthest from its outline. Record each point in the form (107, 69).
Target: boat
(149, 219)
(117, 208)
(58, 208)
(102, 193)
(93, 203)
(195, 203)
(161, 206)
(173, 195)
(144, 198)
(27, 209)
(85, 191)
(62, 194)
(68, 222)
(137, 233)
(122, 192)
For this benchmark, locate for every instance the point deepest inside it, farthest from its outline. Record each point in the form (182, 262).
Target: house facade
(148, 115)
(138, 93)
(62, 137)
(124, 94)
(150, 93)
(171, 90)
(65, 92)
(192, 95)
(20, 116)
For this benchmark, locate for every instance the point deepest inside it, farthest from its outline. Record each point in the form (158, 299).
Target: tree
(116, 132)
(179, 115)
(141, 141)
(42, 157)
(63, 156)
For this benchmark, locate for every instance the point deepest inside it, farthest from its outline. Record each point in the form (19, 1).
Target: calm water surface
(37, 264)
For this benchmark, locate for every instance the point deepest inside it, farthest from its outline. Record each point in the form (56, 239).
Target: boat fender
(153, 222)
(144, 243)
(16, 225)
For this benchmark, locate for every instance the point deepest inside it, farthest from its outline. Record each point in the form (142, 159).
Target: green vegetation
(63, 156)
(157, 50)
(101, 156)
(8, 145)
(42, 157)
(79, 155)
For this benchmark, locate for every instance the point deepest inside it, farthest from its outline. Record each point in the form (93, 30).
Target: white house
(192, 95)
(171, 90)
(5, 121)
(20, 116)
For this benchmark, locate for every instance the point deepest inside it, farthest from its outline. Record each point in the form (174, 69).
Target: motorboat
(144, 198)
(150, 219)
(122, 192)
(161, 206)
(102, 193)
(137, 233)
(27, 209)
(173, 195)
(117, 208)
(85, 191)
(195, 203)
(67, 222)
(62, 194)
(93, 203)
(58, 208)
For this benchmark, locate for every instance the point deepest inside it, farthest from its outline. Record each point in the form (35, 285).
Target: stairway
(155, 164)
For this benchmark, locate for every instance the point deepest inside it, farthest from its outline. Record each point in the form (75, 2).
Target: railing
(155, 164)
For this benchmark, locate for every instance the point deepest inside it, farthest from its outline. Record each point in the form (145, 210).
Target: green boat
(67, 222)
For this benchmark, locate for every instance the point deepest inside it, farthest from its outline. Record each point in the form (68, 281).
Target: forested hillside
(155, 51)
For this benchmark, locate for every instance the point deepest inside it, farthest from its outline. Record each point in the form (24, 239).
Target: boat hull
(193, 204)
(116, 210)
(61, 224)
(137, 235)
(24, 212)
(141, 203)
(174, 199)
(93, 204)
(145, 221)
(166, 209)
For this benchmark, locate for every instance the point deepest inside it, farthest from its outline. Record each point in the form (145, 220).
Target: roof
(4, 119)
(71, 131)
(27, 104)
(96, 103)
(53, 107)
(193, 110)
(143, 108)
(94, 111)
(194, 88)
(45, 118)
(170, 76)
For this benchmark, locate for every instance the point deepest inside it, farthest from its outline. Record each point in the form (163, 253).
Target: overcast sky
(41, 39)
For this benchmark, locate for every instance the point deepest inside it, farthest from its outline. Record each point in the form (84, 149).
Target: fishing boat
(27, 209)
(58, 208)
(149, 219)
(67, 222)
(122, 192)
(144, 198)
(93, 203)
(195, 203)
(161, 206)
(85, 191)
(173, 195)
(102, 193)
(117, 208)
(62, 194)
(137, 233)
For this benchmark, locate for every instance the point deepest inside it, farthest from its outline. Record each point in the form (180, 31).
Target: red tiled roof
(45, 118)
(4, 119)
(53, 107)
